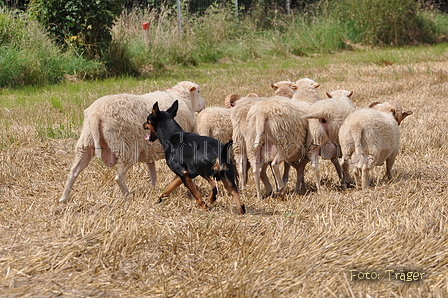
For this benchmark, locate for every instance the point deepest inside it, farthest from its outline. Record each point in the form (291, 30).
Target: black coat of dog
(190, 155)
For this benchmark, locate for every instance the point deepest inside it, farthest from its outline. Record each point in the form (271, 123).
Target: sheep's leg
(239, 168)
(345, 172)
(365, 177)
(123, 168)
(389, 164)
(212, 183)
(243, 169)
(234, 193)
(286, 169)
(264, 178)
(278, 179)
(151, 166)
(82, 159)
(188, 182)
(258, 168)
(300, 183)
(357, 174)
(337, 166)
(315, 162)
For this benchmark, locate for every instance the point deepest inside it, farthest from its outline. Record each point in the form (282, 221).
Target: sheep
(305, 90)
(230, 99)
(239, 127)
(284, 88)
(113, 132)
(323, 128)
(368, 137)
(215, 121)
(276, 132)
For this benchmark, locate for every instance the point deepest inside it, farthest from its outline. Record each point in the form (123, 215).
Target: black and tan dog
(190, 155)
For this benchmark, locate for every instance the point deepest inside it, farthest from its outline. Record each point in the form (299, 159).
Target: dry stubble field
(102, 244)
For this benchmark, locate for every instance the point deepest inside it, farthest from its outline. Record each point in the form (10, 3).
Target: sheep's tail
(225, 153)
(261, 123)
(95, 130)
(356, 132)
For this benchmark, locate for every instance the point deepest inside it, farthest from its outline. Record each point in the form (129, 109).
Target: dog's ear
(155, 109)
(173, 109)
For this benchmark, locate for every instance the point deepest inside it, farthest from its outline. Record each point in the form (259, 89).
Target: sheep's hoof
(280, 193)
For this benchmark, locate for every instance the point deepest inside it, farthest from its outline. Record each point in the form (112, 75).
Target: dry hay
(104, 245)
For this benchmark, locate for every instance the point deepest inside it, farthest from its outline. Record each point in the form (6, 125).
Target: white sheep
(239, 127)
(284, 88)
(369, 137)
(323, 129)
(215, 121)
(305, 90)
(276, 132)
(112, 130)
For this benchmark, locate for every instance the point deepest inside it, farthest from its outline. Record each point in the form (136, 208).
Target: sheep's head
(306, 83)
(230, 99)
(193, 90)
(391, 107)
(339, 94)
(252, 95)
(284, 88)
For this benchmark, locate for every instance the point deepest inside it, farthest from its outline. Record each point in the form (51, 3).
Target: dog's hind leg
(212, 183)
(170, 188)
(234, 192)
(190, 185)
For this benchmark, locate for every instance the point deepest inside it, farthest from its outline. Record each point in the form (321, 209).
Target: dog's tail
(225, 153)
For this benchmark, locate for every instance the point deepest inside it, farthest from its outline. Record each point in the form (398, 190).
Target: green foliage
(29, 57)
(383, 22)
(83, 24)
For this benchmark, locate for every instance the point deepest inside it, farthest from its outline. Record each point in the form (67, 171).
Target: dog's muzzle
(152, 135)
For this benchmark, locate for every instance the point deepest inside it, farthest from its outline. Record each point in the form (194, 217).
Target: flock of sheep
(293, 127)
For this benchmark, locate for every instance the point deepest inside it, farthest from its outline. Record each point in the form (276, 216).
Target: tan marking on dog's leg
(212, 183)
(234, 192)
(190, 185)
(170, 188)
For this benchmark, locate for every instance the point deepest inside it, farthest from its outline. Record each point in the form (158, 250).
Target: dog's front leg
(231, 188)
(169, 188)
(212, 183)
(190, 185)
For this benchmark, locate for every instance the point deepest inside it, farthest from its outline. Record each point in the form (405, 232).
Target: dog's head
(152, 122)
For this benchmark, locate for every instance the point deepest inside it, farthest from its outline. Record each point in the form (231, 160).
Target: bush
(85, 24)
(29, 57)
(383, 22)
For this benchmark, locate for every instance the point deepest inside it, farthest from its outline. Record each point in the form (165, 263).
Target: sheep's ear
(373, 104)
(252, 95)
(405, 114)
(274, 87)
(155, 109)
(173, 109)
(350, 94)
(294, 87)
(192, 88)
(328, 94)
